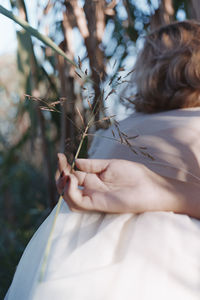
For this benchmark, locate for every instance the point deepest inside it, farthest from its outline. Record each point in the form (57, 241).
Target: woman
(141, 240)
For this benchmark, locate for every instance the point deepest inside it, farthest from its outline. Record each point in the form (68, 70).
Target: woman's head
(167, 72)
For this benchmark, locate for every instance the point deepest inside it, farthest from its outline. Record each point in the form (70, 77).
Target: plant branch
(45, 39)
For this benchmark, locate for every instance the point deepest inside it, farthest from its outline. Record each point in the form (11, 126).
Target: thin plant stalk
(80, 145)
(49, 241)
(52, 108)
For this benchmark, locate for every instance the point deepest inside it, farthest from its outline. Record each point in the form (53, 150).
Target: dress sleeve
(175, 152)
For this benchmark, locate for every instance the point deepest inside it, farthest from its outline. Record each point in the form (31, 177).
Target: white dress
(97, 256)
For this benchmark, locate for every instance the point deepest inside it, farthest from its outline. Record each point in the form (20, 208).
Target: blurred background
(45, 102)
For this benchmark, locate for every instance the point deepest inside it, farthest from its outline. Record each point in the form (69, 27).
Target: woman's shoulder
(174, 124)
(149, 123)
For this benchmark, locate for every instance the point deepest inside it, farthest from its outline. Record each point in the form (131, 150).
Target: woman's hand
(115, 186)
(121, 186)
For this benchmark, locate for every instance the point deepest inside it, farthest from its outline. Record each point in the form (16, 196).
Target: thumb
(92, 165)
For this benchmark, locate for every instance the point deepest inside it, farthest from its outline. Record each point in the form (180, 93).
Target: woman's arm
(120, 186)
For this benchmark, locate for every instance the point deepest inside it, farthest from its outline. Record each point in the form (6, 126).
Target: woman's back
(155, 255)
(166, 142)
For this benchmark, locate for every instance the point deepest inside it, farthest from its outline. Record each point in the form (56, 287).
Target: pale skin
(121, 186)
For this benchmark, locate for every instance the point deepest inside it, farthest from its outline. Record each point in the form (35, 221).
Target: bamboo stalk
(45, 39)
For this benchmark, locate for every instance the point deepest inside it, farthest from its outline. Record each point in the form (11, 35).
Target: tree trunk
(35, 83)
(194, 10)
(66, 74)
(163, 15)
(94, 11)
(91, 23)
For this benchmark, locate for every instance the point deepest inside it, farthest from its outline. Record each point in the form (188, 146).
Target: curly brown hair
(167, 71)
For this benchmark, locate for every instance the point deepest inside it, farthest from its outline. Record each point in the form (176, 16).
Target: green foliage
(22, 209)
(24, 53)
(44, 39)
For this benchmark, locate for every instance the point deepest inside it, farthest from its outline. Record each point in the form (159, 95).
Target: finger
(73, 191)
(82, 200)
(92, 165)
(80, 177)
(84, 178)
(61, 182)
(86, 199)
(90, 181)
(72, 194)
(75, 197)
(62, 163)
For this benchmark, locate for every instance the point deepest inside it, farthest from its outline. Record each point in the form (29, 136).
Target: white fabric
(95, 256)
(171, 137)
